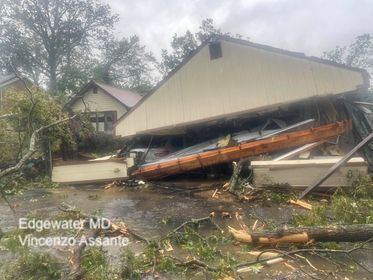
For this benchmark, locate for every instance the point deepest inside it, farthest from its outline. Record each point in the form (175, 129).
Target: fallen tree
(32, 148)
(156, 255)
(338, 233)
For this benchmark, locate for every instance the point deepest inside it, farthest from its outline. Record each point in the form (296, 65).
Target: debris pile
(298, 155)
(247, 146)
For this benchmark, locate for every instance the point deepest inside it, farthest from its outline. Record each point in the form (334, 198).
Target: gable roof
(126, 97)
(7, 79)
(216, 38)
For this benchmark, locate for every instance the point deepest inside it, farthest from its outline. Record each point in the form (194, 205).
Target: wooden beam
(229, 154)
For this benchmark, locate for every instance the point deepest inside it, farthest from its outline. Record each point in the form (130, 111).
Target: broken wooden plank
(229, 154)
(337, 165)
(301, 173)
(301, 203)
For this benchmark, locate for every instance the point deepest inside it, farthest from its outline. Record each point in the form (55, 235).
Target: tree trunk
(235, 184)
(53, 83)
(338, 233)
(52, 76)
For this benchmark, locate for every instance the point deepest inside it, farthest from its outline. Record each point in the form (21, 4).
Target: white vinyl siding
(244, 79)
(99, 102)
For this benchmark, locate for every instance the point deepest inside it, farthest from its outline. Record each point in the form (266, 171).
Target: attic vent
(94, 89)
(215, 50)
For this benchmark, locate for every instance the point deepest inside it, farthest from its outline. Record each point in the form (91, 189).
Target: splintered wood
(339, 233)
(245, 237)
(119, 228)
(301, 203)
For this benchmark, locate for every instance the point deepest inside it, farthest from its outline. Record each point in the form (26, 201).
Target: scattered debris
(301, 203)
(132, 182)
(214, 194)
(271, 256)
(111, 185)
(226, 215)
(263, 254)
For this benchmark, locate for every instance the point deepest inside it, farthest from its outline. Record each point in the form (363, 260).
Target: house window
(215, 50)
(94, 89)
(103, 121)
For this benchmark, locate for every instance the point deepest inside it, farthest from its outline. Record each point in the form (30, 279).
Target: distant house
(104, 103)
(228, 79)
(11, 82)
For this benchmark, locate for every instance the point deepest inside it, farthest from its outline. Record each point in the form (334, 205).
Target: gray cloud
(310, 26)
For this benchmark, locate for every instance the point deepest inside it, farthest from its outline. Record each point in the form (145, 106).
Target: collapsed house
(232, 99)
(238, 89)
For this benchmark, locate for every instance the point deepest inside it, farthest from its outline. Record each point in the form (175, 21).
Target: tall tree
(42, 38)
(184, 45)
(358, 54)
(125, 63)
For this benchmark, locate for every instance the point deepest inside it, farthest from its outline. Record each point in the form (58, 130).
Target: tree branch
(313, 250)
(32, 147)
(8, 116)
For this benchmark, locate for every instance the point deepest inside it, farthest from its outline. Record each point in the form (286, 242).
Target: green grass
(353, 205)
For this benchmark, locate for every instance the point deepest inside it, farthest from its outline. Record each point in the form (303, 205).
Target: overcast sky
(309, 26)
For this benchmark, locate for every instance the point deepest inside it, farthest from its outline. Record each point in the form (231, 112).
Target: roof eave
(91, 83)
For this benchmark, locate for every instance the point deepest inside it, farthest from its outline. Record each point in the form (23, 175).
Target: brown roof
(126, 97)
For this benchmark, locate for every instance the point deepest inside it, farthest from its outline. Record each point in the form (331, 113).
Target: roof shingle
(126, 97)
